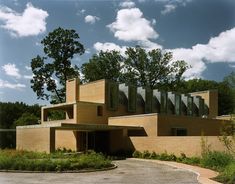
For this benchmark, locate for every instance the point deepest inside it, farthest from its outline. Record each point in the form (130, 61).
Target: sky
(201, 32)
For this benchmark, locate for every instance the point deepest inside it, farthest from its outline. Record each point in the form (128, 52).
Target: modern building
(109, 117)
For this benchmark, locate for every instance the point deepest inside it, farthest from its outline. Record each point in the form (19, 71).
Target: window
(99, 111)
(178, 131)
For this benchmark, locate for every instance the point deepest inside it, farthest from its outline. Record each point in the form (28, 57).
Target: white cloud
(108, 46)
(28, 68)
(130, 25)
(83, 11)
(29, 23)
(153, 21)
(6, 84)
(219, 49)
(11, 70)
(91, 19)
(148, 45)
(28, 76)
(168, 8)
(127, 4)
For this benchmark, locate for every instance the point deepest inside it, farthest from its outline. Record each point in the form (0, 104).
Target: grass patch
(58, 161)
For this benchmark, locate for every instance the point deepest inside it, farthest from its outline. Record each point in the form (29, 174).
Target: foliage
(143, 68)
(26, 119)
(216, 160)
(60, 46)
(56, 115)
(153, 68)
(33, 161)
(228, 136)
(228, 174)
(10, 113)
(104, 65)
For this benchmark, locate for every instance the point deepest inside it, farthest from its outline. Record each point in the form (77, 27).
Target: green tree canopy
(139, 67)
(153, 68)
(26, 119)
(104, 65)
(60, 46)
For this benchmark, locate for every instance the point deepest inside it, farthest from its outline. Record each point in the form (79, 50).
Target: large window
(179, 131)
(99, 110)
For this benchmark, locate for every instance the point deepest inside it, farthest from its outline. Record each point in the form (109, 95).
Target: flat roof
(81, 127)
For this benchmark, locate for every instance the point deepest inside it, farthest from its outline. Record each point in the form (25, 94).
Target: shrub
(216, 160)
(167, 157)
(228, 175)
(33, 161)
(146, 154)
(137, 154)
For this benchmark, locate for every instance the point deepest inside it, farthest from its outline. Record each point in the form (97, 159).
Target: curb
(75, 171)
(203, 175)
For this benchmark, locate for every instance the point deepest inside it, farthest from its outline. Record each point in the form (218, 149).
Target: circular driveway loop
(128, 172)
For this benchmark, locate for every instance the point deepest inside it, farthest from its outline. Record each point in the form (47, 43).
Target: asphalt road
(128, 172)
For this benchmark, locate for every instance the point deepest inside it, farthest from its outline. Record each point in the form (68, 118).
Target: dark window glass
(99, 111)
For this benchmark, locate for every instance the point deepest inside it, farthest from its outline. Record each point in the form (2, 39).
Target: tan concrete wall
(211, 100)
(148, 121)
(66, 139)
(72, 90)
(87, 113)
(93, 92)
(35, 139)
(189, 145)
(195, 126)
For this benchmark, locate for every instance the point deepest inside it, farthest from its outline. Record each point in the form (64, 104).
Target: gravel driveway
(128, 172)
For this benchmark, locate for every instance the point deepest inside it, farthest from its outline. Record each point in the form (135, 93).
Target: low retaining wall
(189, 145)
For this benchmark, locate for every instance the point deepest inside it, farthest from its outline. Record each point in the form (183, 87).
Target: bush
(146, 154)
(216, 160)
(58, 161)
(228, 175)
(137, 154)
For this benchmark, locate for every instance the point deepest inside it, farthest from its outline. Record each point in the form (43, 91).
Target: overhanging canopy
(82, 127)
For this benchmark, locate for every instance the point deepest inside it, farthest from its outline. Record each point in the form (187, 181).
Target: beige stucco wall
(93, 92)
(72, 90)
(189, 145)
(35, 139)
(195, 126)
(66, 139)
(211, 100)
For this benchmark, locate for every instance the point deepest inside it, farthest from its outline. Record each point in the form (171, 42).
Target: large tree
(152, 68)
(138, 66)
(104, 65)
(53, 69)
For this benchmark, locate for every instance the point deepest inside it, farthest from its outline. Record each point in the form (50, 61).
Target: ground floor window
(179, 131)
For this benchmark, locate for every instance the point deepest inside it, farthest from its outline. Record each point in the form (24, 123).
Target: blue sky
(202, 32)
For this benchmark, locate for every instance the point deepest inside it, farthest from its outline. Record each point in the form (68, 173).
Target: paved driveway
(128, 172)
